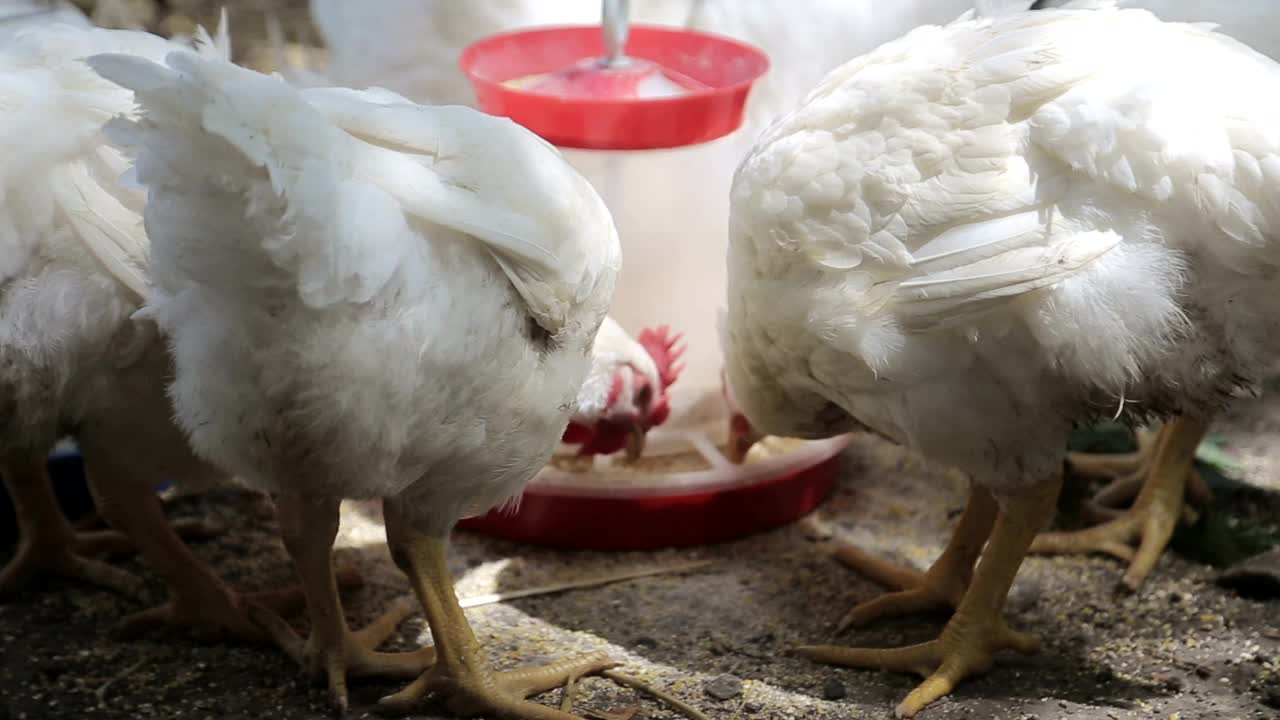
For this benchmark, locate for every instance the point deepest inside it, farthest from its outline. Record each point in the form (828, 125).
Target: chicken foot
(461, 674)
(1151, 520)
(198, 598)
(977, 630)
(332, 649)
(47, 542)
(1127, 473)
(941, 586)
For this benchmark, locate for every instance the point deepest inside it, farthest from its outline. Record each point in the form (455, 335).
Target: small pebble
(723, 687)
(1172, 683)
(833, 690)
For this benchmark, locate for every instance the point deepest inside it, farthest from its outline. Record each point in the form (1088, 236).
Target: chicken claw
(1127, 473)
(942, 586)
(352, 653)
(63, 552)
(198, 598)
(461, 674)
(332, 650)
(47, 541)
(502, 694)
(977, 630)
(1155, 513)
(967, 647)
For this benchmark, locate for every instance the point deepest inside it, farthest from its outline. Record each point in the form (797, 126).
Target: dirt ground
(1183, 648)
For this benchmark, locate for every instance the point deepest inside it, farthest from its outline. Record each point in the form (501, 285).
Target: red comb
(660, 343)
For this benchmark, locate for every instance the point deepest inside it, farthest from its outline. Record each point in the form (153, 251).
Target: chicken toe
(1127, 473)
(1150, 522)
(941, 587)
(977, 630)
(333, 650)
(49, 544)
(461, 675)
(67, 555)
(198, 598)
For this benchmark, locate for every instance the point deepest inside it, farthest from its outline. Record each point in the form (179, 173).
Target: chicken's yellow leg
(461, 673)
(1117, 465)
(977, 630)
(198, 597)
(1155, 513)
(48, 543)
(1127, 473)
(941, 586)
(308, 527)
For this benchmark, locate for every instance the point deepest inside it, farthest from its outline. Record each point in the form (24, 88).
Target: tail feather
(253, 187)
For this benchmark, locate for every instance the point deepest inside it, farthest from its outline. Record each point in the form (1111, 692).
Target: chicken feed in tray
(604, 470)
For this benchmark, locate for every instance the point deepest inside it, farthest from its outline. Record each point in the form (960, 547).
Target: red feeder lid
(579, 104)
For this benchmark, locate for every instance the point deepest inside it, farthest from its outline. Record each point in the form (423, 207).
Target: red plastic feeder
(672, 88)
(568, 510)
(713, 74)
(596, 522)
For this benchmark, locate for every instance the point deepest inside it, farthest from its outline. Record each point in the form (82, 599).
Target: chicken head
(628, 391)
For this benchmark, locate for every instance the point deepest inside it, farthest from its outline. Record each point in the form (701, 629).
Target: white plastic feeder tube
(671, 208)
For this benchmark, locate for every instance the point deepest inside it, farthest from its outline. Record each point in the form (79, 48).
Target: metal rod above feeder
(615, 18)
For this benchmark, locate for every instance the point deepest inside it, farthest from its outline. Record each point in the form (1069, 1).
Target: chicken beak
(740, 443)
(635, 442)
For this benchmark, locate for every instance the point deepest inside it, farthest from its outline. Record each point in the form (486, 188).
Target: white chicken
(1156, 506)
(974, 237)
(369, 298)
(71, 359)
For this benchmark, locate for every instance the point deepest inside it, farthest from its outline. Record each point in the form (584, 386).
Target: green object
(1211, 452)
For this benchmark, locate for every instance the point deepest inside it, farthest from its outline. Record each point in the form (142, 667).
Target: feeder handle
(615, 17)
